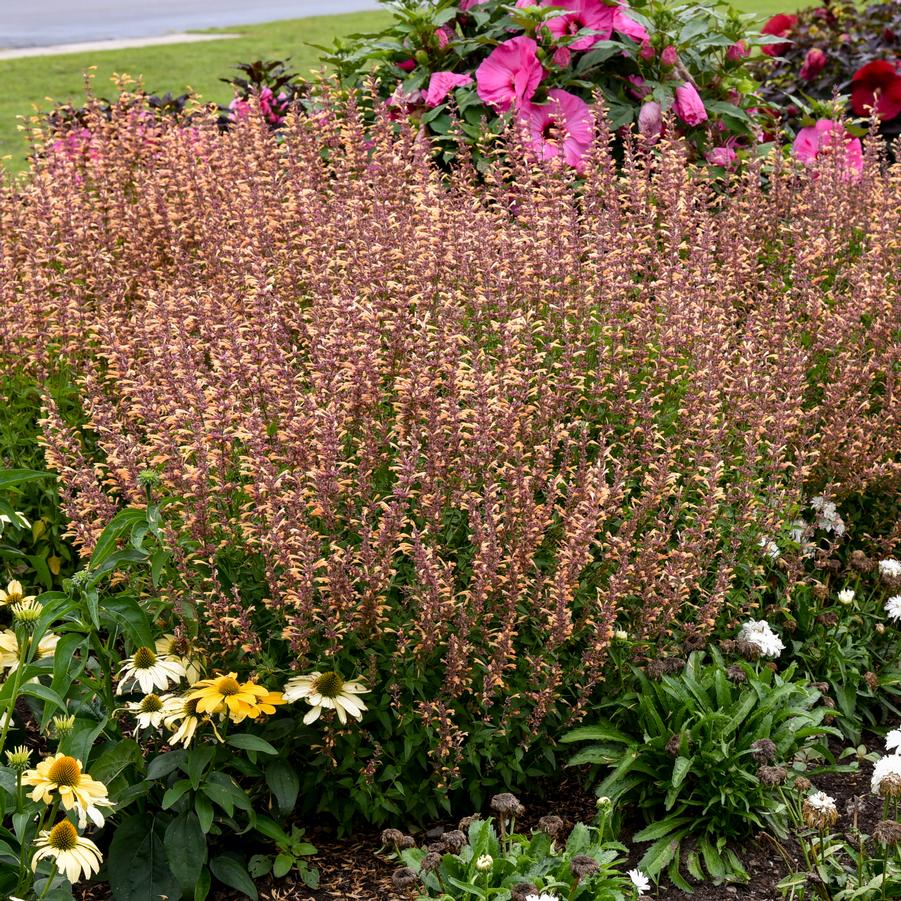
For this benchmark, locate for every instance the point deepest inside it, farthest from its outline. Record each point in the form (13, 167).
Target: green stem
(17, 681)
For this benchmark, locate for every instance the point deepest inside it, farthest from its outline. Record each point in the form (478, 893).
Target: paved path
(39, 23)
(181, 37)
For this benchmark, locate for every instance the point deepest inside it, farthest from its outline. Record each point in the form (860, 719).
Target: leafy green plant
(688, 750)
(490, 860)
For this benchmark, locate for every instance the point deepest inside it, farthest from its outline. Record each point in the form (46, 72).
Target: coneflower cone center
(63, 836)
(151, 704)
(329, 685)
(228, 686)
(65, 771)
(144, 658)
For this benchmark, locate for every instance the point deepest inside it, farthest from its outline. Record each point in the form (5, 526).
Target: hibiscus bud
(814, 63)
(562, 56)
(669, 57)
(720, 156)
(647, 52)
(737, 52)
(650, 120)
(421, 57)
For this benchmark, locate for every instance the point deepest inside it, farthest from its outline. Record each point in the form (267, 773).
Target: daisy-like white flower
(893, 740)
(75, 857)
(640, 881)
(149, 711)
(149, 671)
(484, 863)
(17, 519)
(886, 781)
(845, 596)
(890, 568)
(327, 691)
(181, 648)
(828, 517)
(544, 896)
(62, 776)
(759, 634)
(893, 607)
(180, 717)
(798, 528)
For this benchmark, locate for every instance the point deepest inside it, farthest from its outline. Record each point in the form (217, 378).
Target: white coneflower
(886, 781)
(324, 691)
(73, 855)
(180, 717)
(890, 568)
(893, 607)
(484, 863)
(149, 711)
(770, 548)
(759, 634)
(640, 881)
(149, 672)
(845, 596)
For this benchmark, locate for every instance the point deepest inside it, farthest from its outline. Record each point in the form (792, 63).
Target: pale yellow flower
(75, 857)
(173, 646)
(62, 775)
(180, 717)
(14, 593)
(9, 648)
(149, 672)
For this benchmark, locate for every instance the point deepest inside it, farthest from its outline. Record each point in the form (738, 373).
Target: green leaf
(204, 811)
(658, 856)
(164, 764)
(127, 612)
(661, 828)
(80, 740)
(601, 732)
(202, 889)
(283, 865)
(116, 528)
(247, 742)
(681, 769)
(175, 793)
(186, 849)
(11, 477)
(136, 864)
(284, 784)
(231, 872)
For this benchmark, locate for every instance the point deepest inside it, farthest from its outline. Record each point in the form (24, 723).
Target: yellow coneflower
(28, 610)
(73, 855)
(324, 691)
(19, 757)
(224, 694)
(14, 594)
(180, 717)
(9, 648)
(63, 776)
(149, 672)
(149, 711)
(181, 648)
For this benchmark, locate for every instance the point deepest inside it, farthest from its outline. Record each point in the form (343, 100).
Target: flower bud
(669, 57)
(650, 120)
(484, 863)
(737, 52)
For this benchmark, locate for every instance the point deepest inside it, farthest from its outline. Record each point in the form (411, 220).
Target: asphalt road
(35, 23)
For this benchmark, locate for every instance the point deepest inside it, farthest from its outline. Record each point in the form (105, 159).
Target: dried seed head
(431, 862)
(552, 825)
(819, 812)
(466, 822)
(391, 836)
(802, 784)
(861, 562)
(404, 878)
(406, 841)
(827, 619)
(454, 841)
(674, 744)
(748, 650)
(890, 787)
(507, 805)
(737, 674)
(582, 865)
(522, 890)
(764, 750)
(872, 681)
(772, 775)
(888, 833)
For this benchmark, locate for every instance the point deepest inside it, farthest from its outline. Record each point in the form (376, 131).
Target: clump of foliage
(542, 63)
(698, 750)
(838, 47)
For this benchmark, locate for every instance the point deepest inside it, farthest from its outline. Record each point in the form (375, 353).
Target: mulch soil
(359, 869)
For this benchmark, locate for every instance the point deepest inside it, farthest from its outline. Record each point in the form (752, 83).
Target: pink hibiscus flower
(688, 105)
(441, 84)
(778, 26)
(510, 74)
(827, 136)
(814, 63)
(469, 4)
(591, 14)
(564, 125)
(625, 24)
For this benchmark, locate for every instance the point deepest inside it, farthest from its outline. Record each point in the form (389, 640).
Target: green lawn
(33, 82)
(26, 84)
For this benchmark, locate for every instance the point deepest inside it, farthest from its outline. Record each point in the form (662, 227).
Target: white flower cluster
(770, 548)
(886, 781)
(845, 596)
(823, 802)
(544, 896)
(890, 568)
(759, 634)
(893, 607)
(828, 517)
(640, 881)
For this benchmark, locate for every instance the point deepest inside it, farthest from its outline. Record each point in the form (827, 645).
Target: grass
(30, 83)
(35, 83)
